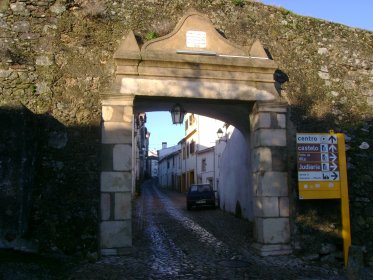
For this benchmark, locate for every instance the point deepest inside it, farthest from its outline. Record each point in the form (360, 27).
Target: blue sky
(357, 13)
(161, 129)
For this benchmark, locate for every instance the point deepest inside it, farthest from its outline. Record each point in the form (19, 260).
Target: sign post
(322, 173)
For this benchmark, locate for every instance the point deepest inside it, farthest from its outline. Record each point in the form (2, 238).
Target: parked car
(200, 195)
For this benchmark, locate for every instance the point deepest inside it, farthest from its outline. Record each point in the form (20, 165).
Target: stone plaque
(196, 39)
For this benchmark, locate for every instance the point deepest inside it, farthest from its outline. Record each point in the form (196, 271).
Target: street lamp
(220, 135)
(177, 114)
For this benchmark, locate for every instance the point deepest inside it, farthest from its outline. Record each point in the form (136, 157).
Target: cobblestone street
(173, 243)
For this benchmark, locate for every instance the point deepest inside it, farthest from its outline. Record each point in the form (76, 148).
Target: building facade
(193, 159)
(141, 147)
(204, 157)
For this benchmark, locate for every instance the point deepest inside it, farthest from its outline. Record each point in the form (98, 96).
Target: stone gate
(195, 64)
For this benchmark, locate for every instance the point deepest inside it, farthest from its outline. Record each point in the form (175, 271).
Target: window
(186, 125)
(188, 149)
(192, 147)
(184, 152)
(191, 119)
(204, 164)
(210, 180)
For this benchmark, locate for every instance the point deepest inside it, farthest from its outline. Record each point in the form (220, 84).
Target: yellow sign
(318, 166)
(322, 173)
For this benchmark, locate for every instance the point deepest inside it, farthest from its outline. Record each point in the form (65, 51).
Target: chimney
(164, 145)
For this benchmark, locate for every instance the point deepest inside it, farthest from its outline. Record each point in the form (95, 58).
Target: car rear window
(200, 188)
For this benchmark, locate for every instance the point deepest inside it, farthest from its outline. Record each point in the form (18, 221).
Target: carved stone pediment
(196, 51)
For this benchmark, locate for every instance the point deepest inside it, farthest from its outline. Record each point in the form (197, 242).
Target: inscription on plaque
(196, 39)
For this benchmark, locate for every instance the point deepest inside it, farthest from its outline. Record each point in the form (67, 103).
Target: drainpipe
(134, 159)
(214, 174)
(196, 166)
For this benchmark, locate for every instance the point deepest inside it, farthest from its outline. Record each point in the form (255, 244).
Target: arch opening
(230, 84)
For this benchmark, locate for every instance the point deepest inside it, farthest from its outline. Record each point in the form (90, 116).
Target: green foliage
(285, 11)
(4, 5)
(151, 35)
(33, 88)
(238, 2)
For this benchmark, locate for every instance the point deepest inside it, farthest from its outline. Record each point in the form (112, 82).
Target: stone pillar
(270, 178)
(116, 176)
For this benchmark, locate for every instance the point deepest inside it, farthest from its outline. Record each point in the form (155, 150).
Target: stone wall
(56, 57)
(18, 134)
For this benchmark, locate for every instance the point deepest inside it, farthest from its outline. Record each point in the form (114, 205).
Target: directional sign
(322, 173)
(315, 153)
(318, 165)
(318, 176)
(333, 157)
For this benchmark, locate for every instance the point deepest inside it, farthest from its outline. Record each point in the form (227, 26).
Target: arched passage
(195, 66)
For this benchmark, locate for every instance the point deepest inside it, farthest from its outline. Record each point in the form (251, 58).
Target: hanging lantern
(177, 114)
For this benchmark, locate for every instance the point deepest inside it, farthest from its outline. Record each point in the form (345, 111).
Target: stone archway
(195, 62)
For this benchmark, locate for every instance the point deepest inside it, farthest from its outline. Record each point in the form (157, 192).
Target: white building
(152, 163)
(232, 177)
(192, 160)
(169, 167)
(201, 157)
(206, 165)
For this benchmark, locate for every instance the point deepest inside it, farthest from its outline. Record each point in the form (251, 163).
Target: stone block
(122, 158)
(123, 100)
(265, 250)
(124, 251)
(207, 88)
(270, 137)
(267, 206)
(107, 113)
(279, 159)
(256, 181)
(43, 60)
(122, 208)
(116, 251)
(284, 206)
(105, 206)
(271, 106)
(262, 159)
(272, 230)
(107, 157)
(116, 181)
(109, 252)
(116, 234)
(114, 113)
(271, 184)
(116, 133)
(281, 120)
(261, 120)
(127, 114)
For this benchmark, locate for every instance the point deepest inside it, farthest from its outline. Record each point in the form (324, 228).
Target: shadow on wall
(318, 222)
(49, 183)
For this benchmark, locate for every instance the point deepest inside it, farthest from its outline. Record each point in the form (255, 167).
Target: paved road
(173, 243)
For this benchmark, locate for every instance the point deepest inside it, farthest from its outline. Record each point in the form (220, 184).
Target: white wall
(209, 172)
(234, 178)
(168, 167)
(207, 129)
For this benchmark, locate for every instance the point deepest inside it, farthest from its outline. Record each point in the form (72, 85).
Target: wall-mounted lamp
(220, 134)
(177, 114)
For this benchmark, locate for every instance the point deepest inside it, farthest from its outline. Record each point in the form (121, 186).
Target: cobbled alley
(173, 243)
